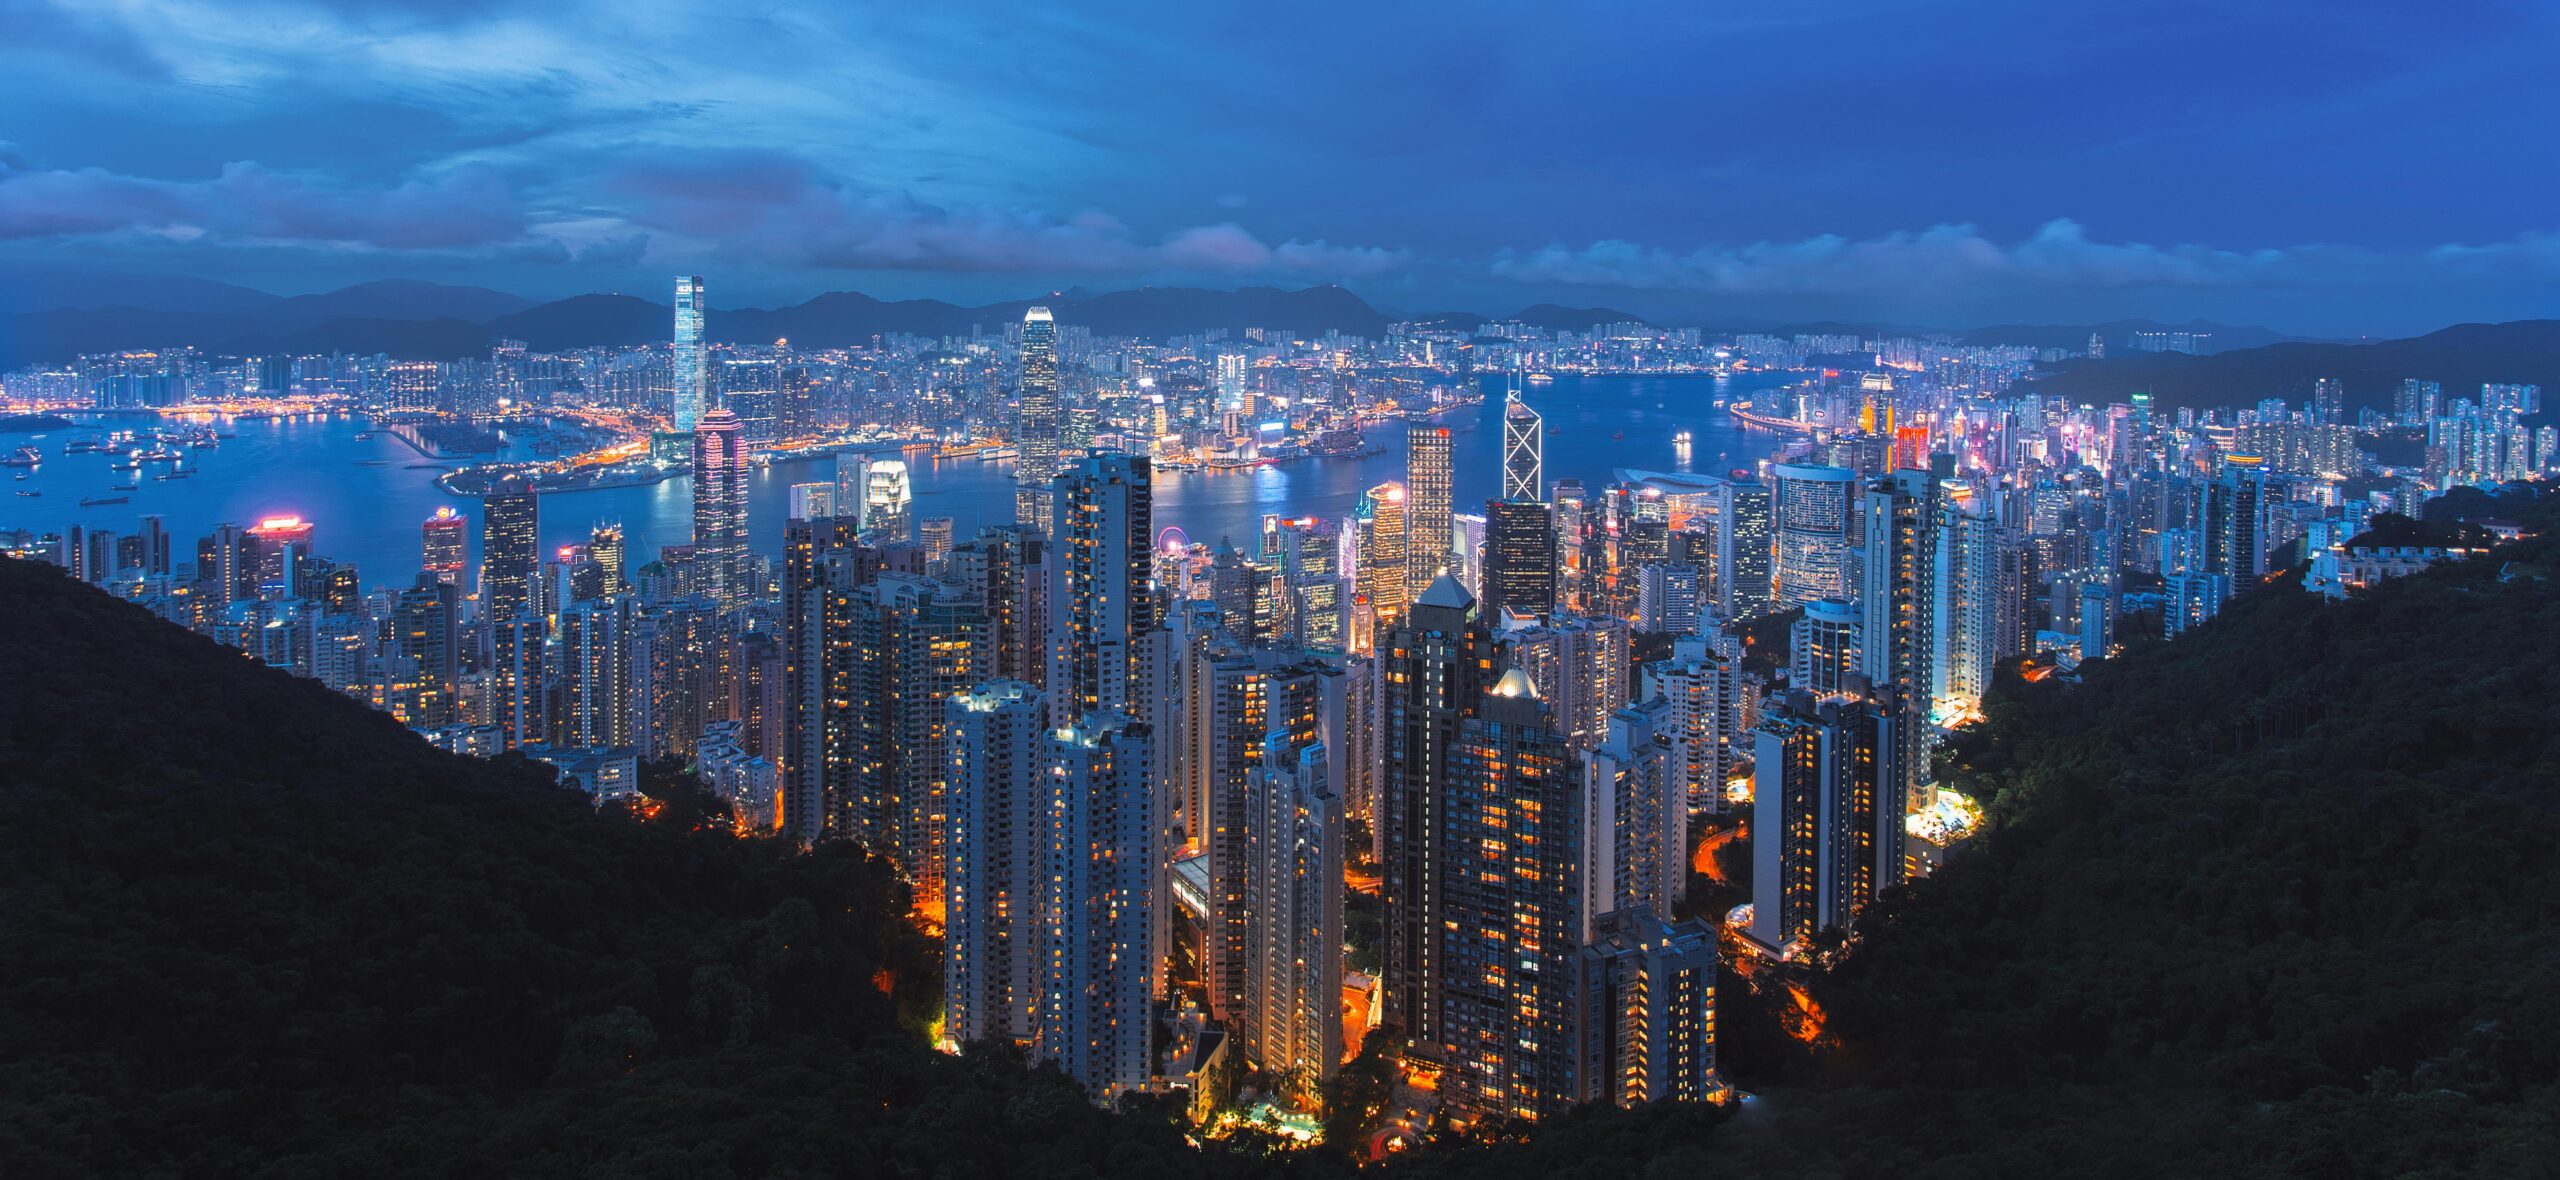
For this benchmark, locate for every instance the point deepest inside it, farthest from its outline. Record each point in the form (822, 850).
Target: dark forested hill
(248, 926)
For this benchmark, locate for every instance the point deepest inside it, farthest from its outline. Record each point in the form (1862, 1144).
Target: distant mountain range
(2462, 358)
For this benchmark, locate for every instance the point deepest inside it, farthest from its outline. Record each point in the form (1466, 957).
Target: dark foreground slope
(250, 927)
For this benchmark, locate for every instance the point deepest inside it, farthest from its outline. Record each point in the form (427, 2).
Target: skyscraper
(1510, 909)
(1105, 506)
(887, 502)
(605, 549)
(1036, 442)
(1380, 520)
(1647, 1017)
(1813, 509)
(1744, 593)
(720, 509)
(1433, 669)
(690, 368)
(993, 864)
(1099, 873)
(510, 532)
(443, 541)
(1524, 448)
(1827, 830)
(1897, 638)
(1636, 831)
(1427, 508)
(1519, 557)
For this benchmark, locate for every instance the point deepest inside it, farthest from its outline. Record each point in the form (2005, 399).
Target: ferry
(23, 457)
(173, 475)
(31, 493)
(94, 501)
(1542, 379)
(125, 487)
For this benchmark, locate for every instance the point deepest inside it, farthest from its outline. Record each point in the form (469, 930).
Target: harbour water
(366, 496)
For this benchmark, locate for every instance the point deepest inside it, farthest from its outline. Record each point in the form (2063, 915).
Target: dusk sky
(2336, 167)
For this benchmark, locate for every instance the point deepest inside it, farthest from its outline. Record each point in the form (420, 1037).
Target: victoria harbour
(365, 490)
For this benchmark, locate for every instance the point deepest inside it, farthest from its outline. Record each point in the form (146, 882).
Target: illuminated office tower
(2190, 593)
(1233, 397)
(1097, 945)
(1103, 598)
(935, 534)
(1429, 524)
(1897, 638)
(1748, 548)
(1036, 441)
(1227, 698)
(510, 550)
(1895, 593)
(2235, 520)
(1703, 689)
(683, 686)
(691, 373)
(1524, 448)
(519, 690)
(888, 505)
(852, 483)
(720, 510)
(279, 541)
(2328, 402)
(751, 388)
(153, 541)
(1667, 597)
(1294, 878)
(1574, 575)
(2416, 401)
(1581, 665)
(443, 546)
(810, 501)
(1980, 612)
(908, 645)
(1231, 586)
(1812, 516)
(1647, 1011)
(1519, 558)
(425, 635)
(754, 663)
(1510, 899)
(1636, 831)
(1380, 519)
(595, 677)
(1825, 648)
(1005, 568)
(1433, 669)
(821, 560)
(605, 548)
(1826, 833)
(991, 883)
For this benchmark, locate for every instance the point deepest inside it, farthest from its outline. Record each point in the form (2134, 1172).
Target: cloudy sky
(2336, 167)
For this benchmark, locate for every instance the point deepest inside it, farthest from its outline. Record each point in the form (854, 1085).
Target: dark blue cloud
(2326, 165)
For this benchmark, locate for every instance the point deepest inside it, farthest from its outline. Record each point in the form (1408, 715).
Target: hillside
(2462, 357)
(254, 927)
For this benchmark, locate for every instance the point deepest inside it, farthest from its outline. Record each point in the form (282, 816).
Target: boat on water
(126, 487)
(23, 457)
(31, 493)
(94, 501)
(364, 436)
(1542, 379)
(173, 475)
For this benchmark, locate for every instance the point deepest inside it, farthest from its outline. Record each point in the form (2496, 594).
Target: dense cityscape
(1435, 783)
(1172, 591)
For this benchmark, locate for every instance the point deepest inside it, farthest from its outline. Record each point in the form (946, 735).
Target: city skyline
(468, 144)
